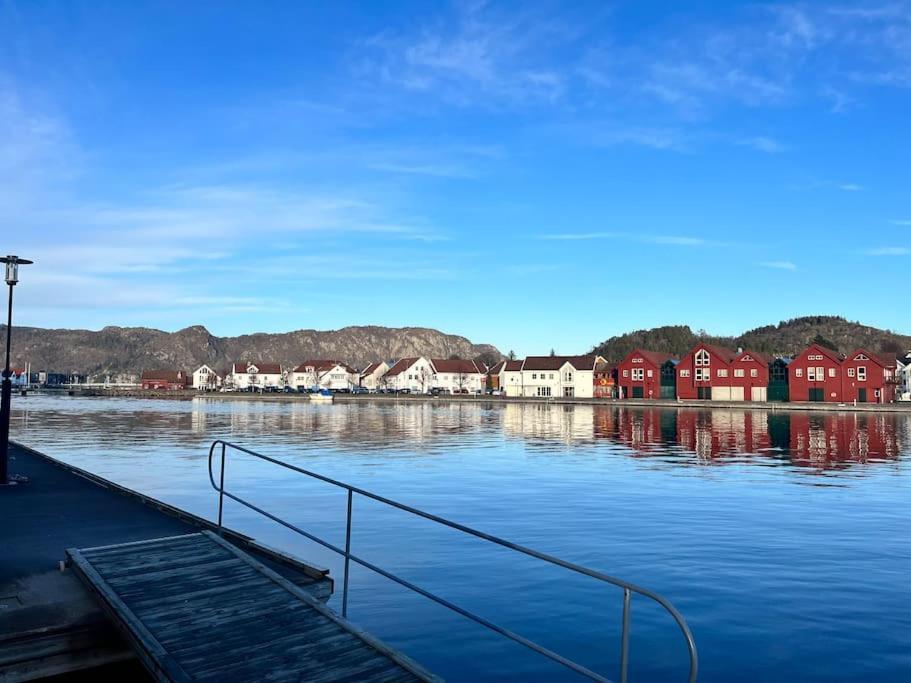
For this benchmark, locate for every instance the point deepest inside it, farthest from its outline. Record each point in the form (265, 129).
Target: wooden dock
(196, 607)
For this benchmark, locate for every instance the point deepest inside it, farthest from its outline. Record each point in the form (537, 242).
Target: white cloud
(850, 187)
(901, 221)
(778, 265)
(669, 240)
(763, 144)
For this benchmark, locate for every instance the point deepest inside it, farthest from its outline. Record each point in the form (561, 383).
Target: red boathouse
(816, 375)
(868, 378)
(648, 375)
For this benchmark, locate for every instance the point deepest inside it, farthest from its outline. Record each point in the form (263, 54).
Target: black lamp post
(12, 277)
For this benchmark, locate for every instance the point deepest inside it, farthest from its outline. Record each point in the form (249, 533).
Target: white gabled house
(903, 377)
(206, 379)
(511, 378)
(559, 376)
(371, 377)
(458, 376)
(413, 374)
(325, 374)
(256, 375)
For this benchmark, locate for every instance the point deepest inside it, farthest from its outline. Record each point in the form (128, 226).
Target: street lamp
(12, 277)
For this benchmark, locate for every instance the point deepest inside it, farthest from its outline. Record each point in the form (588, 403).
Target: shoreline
(504, 400)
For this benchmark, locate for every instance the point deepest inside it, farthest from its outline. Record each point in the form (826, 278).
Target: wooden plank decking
(197, 608)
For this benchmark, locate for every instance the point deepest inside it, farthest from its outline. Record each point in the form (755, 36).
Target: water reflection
(686, 436)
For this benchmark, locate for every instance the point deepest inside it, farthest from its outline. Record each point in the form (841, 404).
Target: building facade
(256, 376)
(164, 380)
(458, 376)
(333, 375)
(206, 379)
(706, 372)
(868, 378)
(815, 375)
(647, 375)
(410, 374)
(511, 378)
(371, 376)
(559, 376)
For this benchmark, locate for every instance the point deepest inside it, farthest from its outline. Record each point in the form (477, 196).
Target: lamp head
(12, 267)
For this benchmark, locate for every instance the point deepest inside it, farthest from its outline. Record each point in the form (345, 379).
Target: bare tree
(461, 379)
(423, 377)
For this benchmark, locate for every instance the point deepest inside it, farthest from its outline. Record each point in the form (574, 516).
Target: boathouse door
(862, 395)
(669, 380)
(817, 395)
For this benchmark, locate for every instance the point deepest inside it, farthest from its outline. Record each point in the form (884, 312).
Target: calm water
(783, 538)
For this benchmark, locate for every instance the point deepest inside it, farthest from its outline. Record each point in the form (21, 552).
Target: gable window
(638, 374)
(738, 372)
(702, 375)
(702, 357)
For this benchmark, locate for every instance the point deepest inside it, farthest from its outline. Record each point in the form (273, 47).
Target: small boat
(322, 396)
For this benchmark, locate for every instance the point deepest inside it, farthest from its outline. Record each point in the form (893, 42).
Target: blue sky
(527, 174)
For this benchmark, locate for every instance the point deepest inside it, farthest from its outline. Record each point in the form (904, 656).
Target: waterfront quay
(96, 577)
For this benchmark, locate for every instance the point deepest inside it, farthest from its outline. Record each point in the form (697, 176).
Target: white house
(413, 374)
(458, 376)
(559, 376)
(326, 374)
(256, 375)
(511, 378)
(205, 378)
(903, 376)
(371, 376)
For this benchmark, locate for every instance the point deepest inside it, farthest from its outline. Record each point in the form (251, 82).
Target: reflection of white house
(559, 376)
(903, 376)
(204, 377)
(511, 378)
(372, 375)
(414, 374)
(326, 374)
(256, 375)
(458, 376)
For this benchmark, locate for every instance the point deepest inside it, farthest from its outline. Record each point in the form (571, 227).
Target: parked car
(288, 390)
(359, 390)
(404, 391)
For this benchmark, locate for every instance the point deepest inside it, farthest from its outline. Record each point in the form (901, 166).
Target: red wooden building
(164, 380)
(816, 375)
(750, 373)
(647, 374)
(705, 373)
(868, 378)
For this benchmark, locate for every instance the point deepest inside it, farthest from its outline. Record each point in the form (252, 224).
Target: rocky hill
(787, 338)
(130, 350)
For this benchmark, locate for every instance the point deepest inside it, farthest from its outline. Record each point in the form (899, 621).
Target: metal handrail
(628, 588)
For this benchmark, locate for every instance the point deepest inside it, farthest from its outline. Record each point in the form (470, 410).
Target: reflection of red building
(709, 434)
(815, 375)
(639, 374)
(868, 378)
(843, 437)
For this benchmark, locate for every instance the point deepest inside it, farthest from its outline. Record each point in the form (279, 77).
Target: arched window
(702, 357)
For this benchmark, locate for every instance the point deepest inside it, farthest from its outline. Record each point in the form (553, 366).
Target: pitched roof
(401, 365)
(513, 365)
(373, 367)
(323, 365)
(263, 368)
(655, 357)
(497, 369)
(557, 362)
(885, 360)
(759, 357)
(173, 376)
(828, 353)
(455, 365)
(725, 354)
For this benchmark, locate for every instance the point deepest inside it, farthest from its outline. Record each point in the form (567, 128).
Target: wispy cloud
(778, 265)
(850, 187)
(889, 251)
(669, 240)
(901, 221)
(763, 144)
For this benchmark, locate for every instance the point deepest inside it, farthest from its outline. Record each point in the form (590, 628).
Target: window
(703, 374)
(831, 372)
(862, 374)
(551, 376)
(567, 377)
(626, 373)
(798, 372)
(722, 372)
(811, 374)
(543, 391)
(702, 357)
(754, 372)
(684, 373)
(850, 372)
(638, 374)
(650, 373)
(534, 375)
(738, 372)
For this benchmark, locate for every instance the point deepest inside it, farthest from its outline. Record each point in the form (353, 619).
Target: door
(568, 392)
(817, 395)
(736, 393)
(638, 392)
(704, 393)
(668, 391)
(862, 395)
(758, 394)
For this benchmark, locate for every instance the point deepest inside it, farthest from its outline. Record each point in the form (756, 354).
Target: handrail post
(624, 637)
(221, 488)
(347, 555)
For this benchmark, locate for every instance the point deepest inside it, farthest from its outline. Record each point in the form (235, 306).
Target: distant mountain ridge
(130, 350)
(787, 338)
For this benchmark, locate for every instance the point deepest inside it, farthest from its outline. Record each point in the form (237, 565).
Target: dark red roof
(882, 359)
(727, 355)
(172, 376)
(263, 368)
(370, 369)
(323, 365)
(400, 366)
(655, 357)
(834, 356)
(513, 365)
(456, 365)
(557, 362)
(497, 369)
(760, 358)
